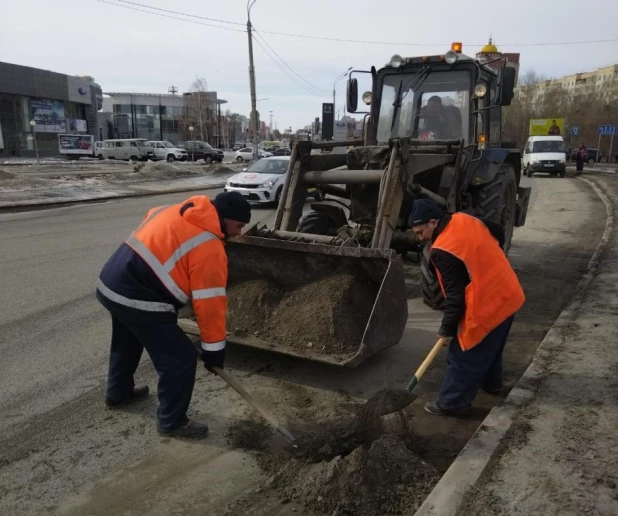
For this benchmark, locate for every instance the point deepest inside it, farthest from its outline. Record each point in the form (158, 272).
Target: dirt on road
(78, 459)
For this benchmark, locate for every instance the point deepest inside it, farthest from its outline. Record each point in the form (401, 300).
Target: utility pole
(271, 124)
(254, 120)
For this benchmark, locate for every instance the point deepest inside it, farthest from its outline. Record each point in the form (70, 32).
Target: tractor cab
(441, 98)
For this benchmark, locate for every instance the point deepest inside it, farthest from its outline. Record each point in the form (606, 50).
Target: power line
(294, 80)
(340, 40)
(287, 65)
(181, 14)
(170, 17)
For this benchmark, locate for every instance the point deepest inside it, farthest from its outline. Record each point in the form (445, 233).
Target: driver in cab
(441, 122)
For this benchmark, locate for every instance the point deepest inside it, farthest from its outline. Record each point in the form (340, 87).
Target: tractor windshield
(431, 107)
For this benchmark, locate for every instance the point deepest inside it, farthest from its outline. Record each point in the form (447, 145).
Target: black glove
(213, 359)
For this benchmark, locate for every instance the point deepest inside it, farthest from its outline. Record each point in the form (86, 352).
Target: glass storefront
(16, 112)
(148, 121)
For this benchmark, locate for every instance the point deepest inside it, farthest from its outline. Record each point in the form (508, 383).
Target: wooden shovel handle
(248, 398)
(429, 359)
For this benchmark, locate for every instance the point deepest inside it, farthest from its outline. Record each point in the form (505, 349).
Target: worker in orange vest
(175, 257)
(482, 295)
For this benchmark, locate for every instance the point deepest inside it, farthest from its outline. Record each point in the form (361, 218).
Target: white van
(135, 149)
(544, 154)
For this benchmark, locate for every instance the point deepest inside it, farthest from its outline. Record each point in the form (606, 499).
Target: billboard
(547, 126)
(77, 125)
(48, 115)
(75, 144)
(328, 121)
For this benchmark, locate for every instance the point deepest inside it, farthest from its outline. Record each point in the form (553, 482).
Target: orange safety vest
(185, 250)
(494, 292)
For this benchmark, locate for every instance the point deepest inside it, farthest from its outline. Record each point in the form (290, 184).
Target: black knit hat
(232, 205)
(423, 210)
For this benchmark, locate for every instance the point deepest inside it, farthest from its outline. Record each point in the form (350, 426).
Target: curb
(464, 472)
(13, 208)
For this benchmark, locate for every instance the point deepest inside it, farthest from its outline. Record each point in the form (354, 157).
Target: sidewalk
(552, 447)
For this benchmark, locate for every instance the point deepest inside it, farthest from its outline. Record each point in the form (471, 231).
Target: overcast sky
(127, 50)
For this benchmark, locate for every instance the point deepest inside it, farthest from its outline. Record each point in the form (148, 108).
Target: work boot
(493, 390)
(139, 393)
(191, 430)
(433, 408)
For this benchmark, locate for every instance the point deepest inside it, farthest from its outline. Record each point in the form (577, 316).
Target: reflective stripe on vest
(148, 306)
(163, 270)
(153, 215)
(494, 293)
(213, 346)
(207, 293)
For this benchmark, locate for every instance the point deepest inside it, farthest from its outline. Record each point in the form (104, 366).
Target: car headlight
(562, 161)
(268, 184)
(535, 161)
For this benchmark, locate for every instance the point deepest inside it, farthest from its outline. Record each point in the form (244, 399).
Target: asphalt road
(62, 452)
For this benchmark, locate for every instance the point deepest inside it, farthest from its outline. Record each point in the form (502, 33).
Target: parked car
(169, 152)
(238, 146)
(201, 150)
(263, 181)
(282, 152)
(134, 149)
(246, 154)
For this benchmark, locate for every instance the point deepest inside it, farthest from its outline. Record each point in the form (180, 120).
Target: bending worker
(482, 294)
(174, 257)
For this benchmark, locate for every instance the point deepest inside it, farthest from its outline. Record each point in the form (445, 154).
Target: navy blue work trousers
(470, 370)
(173, 355)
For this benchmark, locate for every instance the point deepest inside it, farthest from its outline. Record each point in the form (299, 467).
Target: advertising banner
(81, 144)
(328, 121)
(77, 125)
(48, 115)
(547, 126)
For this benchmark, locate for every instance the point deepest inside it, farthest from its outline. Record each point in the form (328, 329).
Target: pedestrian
(174, 257)
(482, 295)
(580, 158)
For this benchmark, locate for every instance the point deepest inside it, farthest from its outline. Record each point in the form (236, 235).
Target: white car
(263, 181)
(246, 154)
(165, 150)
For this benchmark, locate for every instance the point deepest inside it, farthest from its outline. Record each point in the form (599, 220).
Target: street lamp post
(191, 129)
(335, 84)
(36, 149)
(252, 82)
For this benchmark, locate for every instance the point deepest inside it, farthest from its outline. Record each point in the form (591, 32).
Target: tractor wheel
(497, 202)
(430, 286)
(316, 223)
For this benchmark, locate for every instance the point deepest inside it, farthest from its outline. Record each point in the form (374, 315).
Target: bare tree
(200, 112)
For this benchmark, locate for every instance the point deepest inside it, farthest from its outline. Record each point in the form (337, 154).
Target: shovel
(388, 401)
(257, 406)
(423, 367)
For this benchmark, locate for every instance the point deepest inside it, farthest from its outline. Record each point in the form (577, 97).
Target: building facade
(164, 116)
(55, 102)
(601, 83)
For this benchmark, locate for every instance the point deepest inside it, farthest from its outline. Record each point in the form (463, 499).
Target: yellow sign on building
(547, 126)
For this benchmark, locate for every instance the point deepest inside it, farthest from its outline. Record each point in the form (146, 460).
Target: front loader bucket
(337, 305)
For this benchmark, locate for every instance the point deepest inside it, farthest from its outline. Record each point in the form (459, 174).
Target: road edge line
(466, 469)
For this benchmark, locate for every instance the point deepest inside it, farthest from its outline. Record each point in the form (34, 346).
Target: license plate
(244, 193)
(548, 165)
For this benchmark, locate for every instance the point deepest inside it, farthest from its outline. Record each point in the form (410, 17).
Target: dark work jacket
(455, 277)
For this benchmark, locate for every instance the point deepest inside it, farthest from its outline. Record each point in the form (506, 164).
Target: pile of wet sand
(327, 316)
(361, 464)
